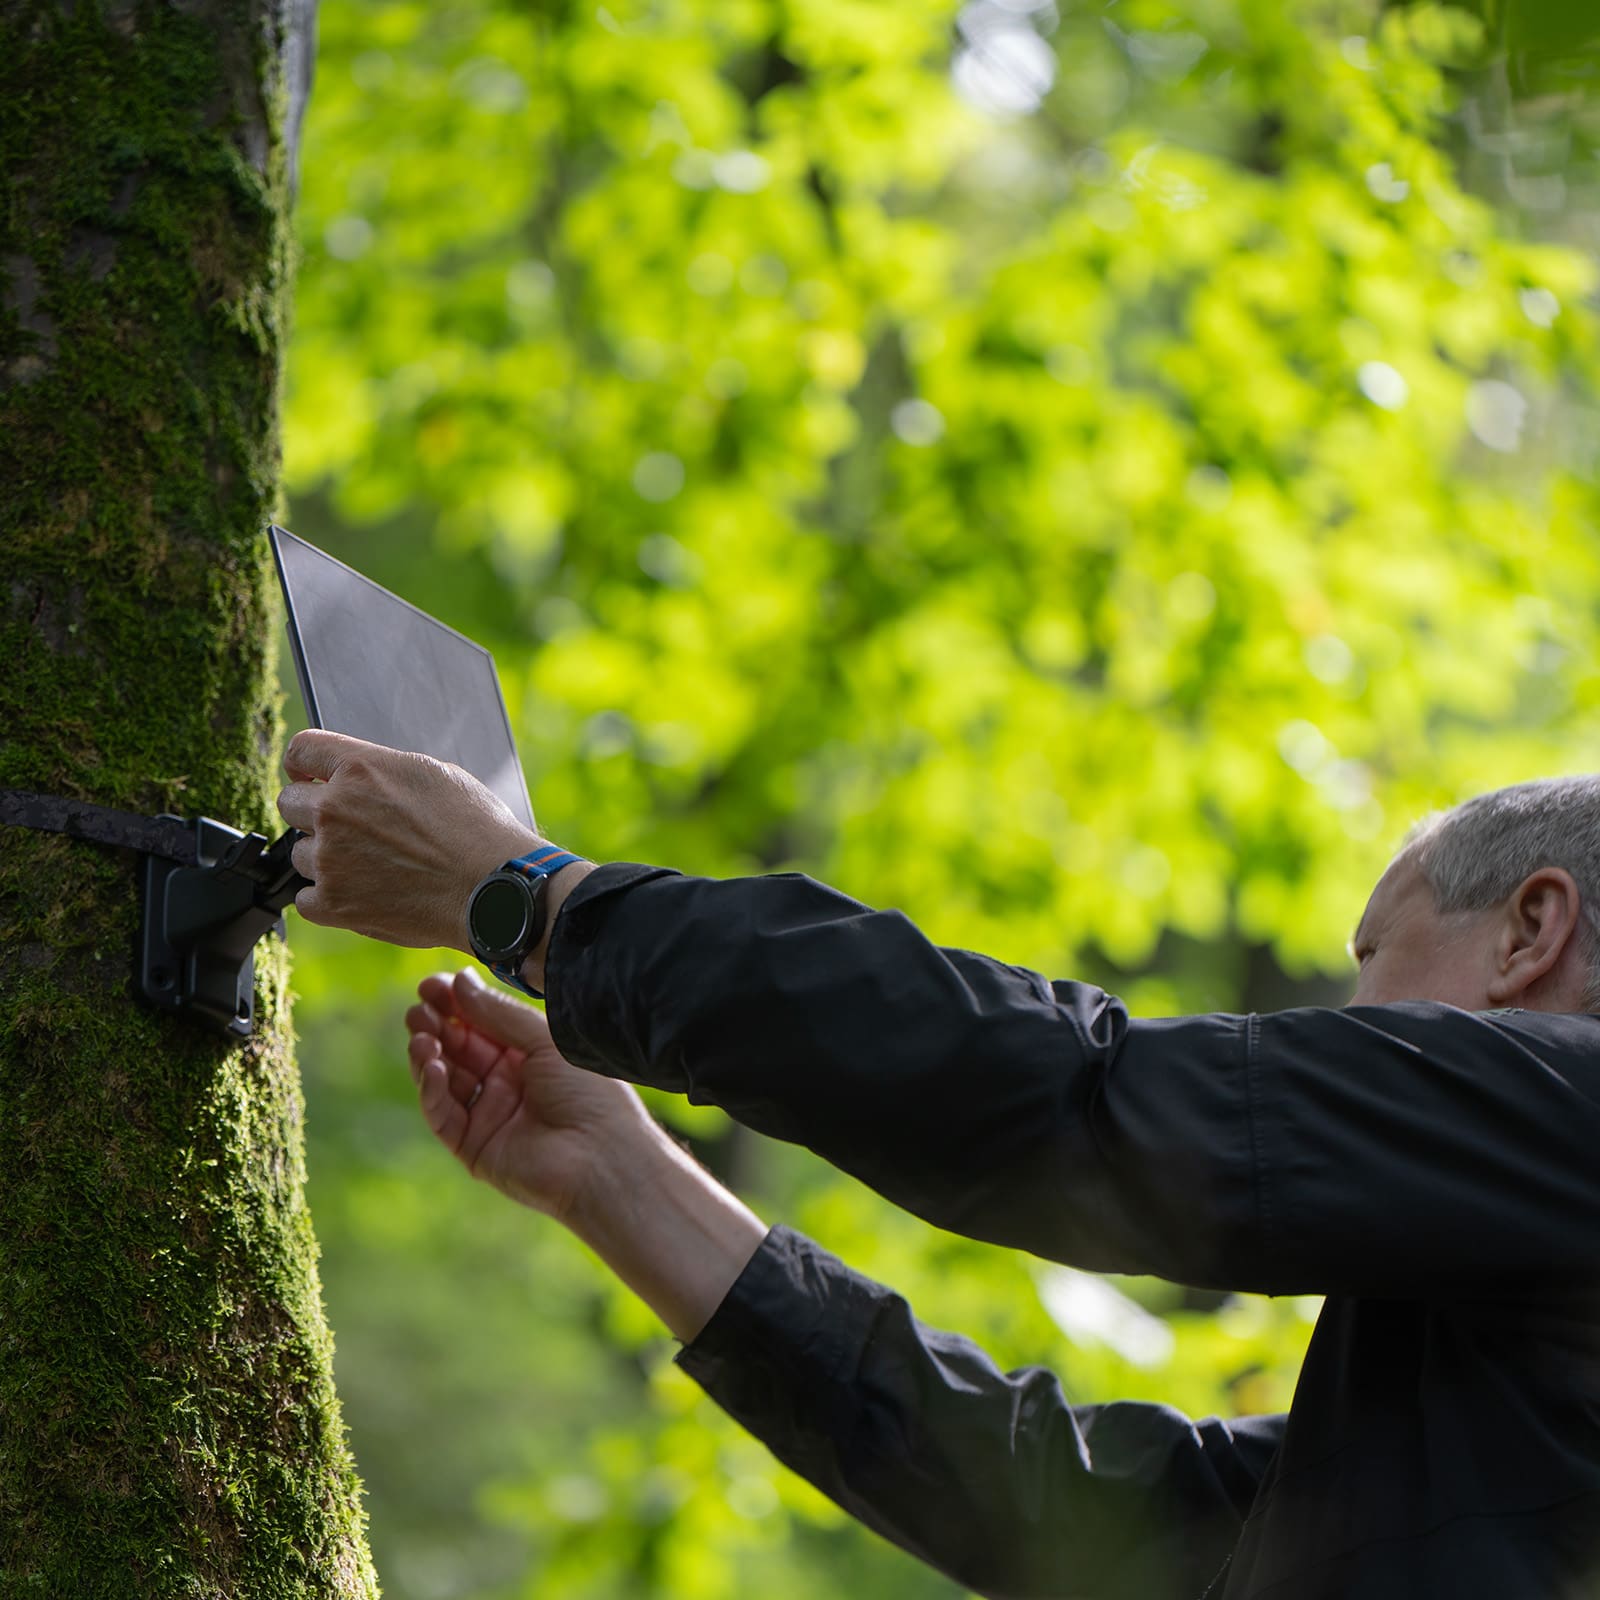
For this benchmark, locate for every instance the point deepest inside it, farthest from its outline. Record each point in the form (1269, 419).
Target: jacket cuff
(786, 1333)
(573, 968)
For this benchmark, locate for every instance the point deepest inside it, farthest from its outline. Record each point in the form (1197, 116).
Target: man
(1428, 1158)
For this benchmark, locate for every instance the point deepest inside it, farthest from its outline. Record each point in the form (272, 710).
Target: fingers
(454, 1063)
(424, 1047)
(498, 1012)
(303, 856)
(442, 1111)
(423, 1018)
(424, 1053)
(462, 1046)
(319, 753)
(309, 904)
(426, 1057)
(492, 1104)
(297, 805)
(437, 991)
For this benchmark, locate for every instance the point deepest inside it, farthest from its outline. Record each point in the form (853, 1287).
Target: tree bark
(168, 1423)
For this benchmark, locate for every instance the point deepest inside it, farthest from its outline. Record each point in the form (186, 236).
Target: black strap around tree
(210, 893)
(80, 819)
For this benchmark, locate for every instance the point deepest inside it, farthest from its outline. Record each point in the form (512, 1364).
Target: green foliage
(1098, 530)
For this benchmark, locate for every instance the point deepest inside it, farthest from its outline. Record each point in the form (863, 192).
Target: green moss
(168, 1424)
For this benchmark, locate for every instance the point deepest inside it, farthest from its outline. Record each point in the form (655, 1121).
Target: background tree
(1088, 475)
(167, 1419)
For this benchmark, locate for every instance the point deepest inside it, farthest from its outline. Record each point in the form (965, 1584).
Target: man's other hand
(396, 841)
(503, 1101)
(578, 1147)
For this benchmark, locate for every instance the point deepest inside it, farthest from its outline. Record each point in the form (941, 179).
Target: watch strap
(541, 863)
(544, 862)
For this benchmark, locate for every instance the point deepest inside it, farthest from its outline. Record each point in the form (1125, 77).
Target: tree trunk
(167, 1417)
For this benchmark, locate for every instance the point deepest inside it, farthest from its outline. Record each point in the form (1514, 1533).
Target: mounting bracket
(210, 893)
(202, 922)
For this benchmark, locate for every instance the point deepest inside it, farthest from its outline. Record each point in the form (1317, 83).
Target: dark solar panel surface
(375, 666)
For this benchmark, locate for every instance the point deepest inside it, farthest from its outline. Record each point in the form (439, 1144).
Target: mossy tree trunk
(168, 1424)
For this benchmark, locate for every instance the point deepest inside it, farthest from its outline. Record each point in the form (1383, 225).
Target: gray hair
(1474, 855)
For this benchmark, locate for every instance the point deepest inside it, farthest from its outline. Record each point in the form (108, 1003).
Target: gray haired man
(1428, 1158)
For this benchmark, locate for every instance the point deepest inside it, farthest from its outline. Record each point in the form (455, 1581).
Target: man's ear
(1538, 923)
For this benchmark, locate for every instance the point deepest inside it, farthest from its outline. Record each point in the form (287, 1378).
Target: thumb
(497, 1012)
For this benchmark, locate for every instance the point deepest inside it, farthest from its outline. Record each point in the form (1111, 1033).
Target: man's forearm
(668, 1230)
(966, 1090)
(955, 1085)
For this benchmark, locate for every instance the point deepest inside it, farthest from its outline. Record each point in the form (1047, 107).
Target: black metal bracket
(210, 893)
(202, 922)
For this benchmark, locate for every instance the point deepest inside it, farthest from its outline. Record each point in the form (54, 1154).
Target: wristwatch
(506, 912)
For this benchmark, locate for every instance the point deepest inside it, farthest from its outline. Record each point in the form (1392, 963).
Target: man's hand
(581, 1148)
(396, 841)
(501, 1099)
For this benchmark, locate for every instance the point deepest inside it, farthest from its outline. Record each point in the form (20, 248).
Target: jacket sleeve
(991, 1477)
(1408, 1149)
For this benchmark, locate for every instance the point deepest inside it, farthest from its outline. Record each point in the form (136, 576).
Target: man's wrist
(561, 884)
(476, 867)
(666, 1228)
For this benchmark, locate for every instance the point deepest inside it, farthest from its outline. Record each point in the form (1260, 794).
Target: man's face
(1408, 951)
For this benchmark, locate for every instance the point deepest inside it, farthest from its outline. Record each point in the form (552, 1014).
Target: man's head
(1488, 905)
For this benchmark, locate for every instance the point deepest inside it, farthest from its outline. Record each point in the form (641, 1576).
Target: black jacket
(1434, 1172)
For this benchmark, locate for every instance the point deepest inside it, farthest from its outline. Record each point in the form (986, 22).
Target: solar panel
(377, 667)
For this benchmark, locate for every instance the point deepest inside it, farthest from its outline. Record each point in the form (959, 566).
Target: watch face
(500, 914)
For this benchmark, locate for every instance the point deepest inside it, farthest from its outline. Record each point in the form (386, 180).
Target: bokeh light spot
(917, 423)
(1496, 414)
(348, 237)
(1539, 306)
(1383, 385)
(658, 476)
(740, 171)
